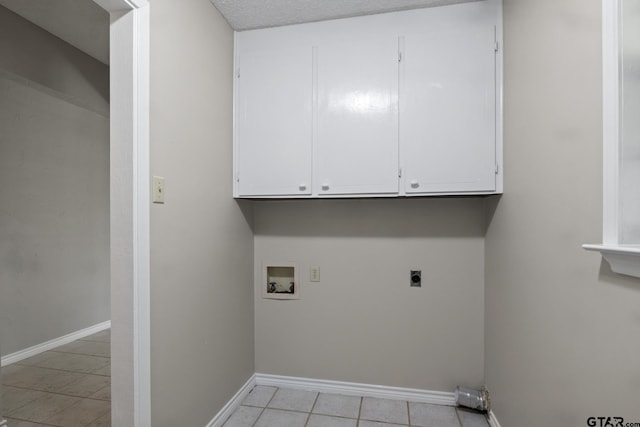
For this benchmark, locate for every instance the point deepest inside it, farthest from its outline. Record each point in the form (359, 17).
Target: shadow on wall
(91, 71)
(34, 57)
(490, 206)
(607, 277)
(447, 217)
(246, 207)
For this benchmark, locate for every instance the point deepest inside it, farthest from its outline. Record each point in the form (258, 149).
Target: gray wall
(362, 322)
(561, 329)
(33, 54)
(54, 187)
(201, 240)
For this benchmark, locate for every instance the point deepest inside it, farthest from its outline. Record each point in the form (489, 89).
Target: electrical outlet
(314, 274)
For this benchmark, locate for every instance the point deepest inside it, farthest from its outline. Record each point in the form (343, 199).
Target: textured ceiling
(85, 25)
(81, 23)
(250, 14)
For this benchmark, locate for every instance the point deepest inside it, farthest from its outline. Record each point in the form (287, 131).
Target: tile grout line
(49, 392)
(58, 372)
(61, 394)
(301, 412)
(57, 350)
(59, 353)
(63, 370)
(27, 421)
(312, 408)
(44, 421)
(100, 416)
(11, 414)
(458, 416)
(265, 406)
(309, 413)
(79, 354)
(76, 404)
(287, 410)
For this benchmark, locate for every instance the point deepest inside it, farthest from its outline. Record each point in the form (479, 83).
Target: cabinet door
(447, 111)
(274, 122)
(357, 147)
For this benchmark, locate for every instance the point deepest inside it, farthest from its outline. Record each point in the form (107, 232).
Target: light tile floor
(279, 407)
(66, 387)
(71, 387)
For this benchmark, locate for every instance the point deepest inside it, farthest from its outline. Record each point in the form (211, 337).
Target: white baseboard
(336, 387)
(357, 389)
(51, 344)
(3, 422)
(232, 404)
(493, 421)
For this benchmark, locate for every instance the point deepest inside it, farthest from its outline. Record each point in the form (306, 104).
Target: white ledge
(623, 259)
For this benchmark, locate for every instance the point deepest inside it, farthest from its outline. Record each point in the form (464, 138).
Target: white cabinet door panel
(274, 122)
(357, 146)
(447, 110)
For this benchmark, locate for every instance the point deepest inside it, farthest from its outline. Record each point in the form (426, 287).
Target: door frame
(129, 212)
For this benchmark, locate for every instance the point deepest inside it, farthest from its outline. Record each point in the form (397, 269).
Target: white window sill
(623, 259)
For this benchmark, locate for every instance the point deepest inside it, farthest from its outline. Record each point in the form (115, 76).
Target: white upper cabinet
(357, 144)
(274, 122)
(397, 104)
(448, 111)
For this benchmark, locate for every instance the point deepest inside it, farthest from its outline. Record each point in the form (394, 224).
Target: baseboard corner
(233, 404)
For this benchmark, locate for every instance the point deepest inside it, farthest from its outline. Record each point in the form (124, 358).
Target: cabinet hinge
(497, 168)
(399, 56)
(496, 46)
(238, 73)
(400, 173)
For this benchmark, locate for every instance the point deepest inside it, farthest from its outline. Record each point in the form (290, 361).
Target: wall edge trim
(358, 389)
(51, 344)
(228, 409)
(493, 420)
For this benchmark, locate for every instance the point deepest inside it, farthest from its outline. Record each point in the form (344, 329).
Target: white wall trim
(142, 216)
(130, 219)
(611, 120)
(493, 421)
(51, 344)
(3, 422)
(337, 387)
(624, 258)
(358, 389)
(228, 409)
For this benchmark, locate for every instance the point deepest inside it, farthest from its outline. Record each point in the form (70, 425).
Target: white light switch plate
(314, 274)
(158, 189)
